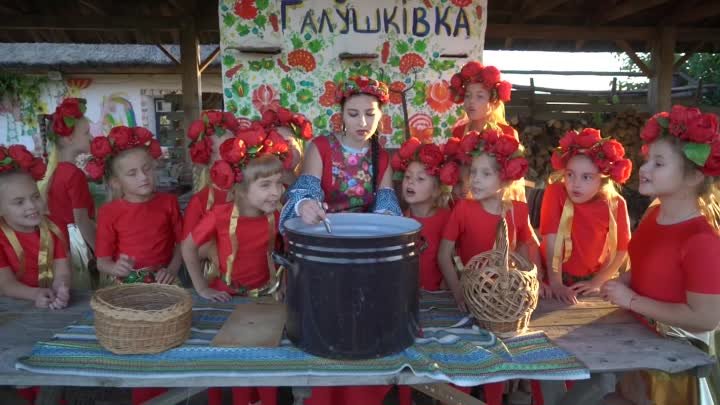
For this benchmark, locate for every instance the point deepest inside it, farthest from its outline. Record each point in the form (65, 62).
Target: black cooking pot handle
(281, 260)
(423, 244)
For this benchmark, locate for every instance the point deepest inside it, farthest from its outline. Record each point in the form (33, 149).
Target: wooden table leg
(447, 394)
(586, 392)
(300, 394)
(49, 396)
(173, 396)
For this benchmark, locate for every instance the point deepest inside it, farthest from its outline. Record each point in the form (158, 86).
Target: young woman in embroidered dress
(347, 172)
(483, 95)
(245, 231)
(427, 181)
(674, 283)
(584, 221)
(66, 135)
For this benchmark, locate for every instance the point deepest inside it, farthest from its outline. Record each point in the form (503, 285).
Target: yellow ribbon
(211, 198)
(233, 242)
(15, 244)
(46, 250)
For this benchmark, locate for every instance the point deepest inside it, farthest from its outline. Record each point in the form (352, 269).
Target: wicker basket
(142, 318)
(500, 288)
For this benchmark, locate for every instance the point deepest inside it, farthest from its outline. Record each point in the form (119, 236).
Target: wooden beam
(168, 54)
(566, 32)
(571, 73)
(209, 59)
(663, 58)
(538, 8)
(694, 12)
(92, 6)
(191, 83)
(508, 43)
(107, 23)
(678, 63)
(627, 8)
(699, 34)
(579, 44)
(625, 46)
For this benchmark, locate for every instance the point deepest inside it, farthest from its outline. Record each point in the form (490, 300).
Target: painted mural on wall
(417, 44)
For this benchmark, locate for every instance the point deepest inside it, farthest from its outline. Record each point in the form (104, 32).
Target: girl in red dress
(584, 221)
(65, 186)
(252, 165)
(674, 283)
(427, 181)
(34, 263)
(495, 160)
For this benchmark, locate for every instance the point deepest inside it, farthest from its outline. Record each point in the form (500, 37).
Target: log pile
(625, 127)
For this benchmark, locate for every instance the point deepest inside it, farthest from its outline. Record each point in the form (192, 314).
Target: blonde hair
(258, 168)
(201, 177)
(50, 148)
(495, 118)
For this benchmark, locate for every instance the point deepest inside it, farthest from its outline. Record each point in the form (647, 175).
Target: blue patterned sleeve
(386, 202)
(305, 187)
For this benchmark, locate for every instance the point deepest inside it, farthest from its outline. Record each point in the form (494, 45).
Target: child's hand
(460, 299)
(163, 276)
(62, 297)
(123, 266)
(214, 295)
(312, 211)
(44, 297)
(618, 293)
(589, 287)
(545, 291)
(564, 294)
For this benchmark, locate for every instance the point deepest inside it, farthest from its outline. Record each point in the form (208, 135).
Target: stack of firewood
(539, 142)
(626, 127)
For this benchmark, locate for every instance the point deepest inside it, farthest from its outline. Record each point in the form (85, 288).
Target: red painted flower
(421, 127)
(336, 122)
(265, 97)
(438, 96)
(246, 9)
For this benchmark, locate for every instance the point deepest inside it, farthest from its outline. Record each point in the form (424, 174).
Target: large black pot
(353, 294)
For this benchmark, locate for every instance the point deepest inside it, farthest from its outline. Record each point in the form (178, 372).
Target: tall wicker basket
(142, 318)
(501, 287)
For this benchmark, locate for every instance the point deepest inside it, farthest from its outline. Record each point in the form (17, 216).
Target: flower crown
(475, 72)
(607, 154)
(698, 131)
(503, 146)
(362, 85)
(210, 123)
(431, 156)
(119, 139)
(301, 127)
(248, 144)
(17, 157)
(65, 117)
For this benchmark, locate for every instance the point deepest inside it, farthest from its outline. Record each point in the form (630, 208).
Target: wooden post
(191, 93)
(663, 60)
(531, 100)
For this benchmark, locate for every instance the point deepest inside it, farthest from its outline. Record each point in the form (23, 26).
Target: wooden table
(605, 338)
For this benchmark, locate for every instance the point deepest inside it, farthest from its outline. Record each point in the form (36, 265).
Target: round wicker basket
(501, 288)
(142, 318)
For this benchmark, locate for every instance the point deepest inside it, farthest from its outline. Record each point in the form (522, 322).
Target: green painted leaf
(420, 46)
(287, 84)
(663, 122)
(398, 137)
(268, 64)
(255, 65)
(305, 96)
(262, 4)
(296, 42)
(397, 121)
(451, 120)
(243, 30)
(436, 120)
(315, 45)
(419, 100)
(228, 60)
(260, 21)
(697, 153)
(241, 88)
(232, 106)
(420, 87)
(395, 61)
(228, 93)
(320, 122)
(339, 77)
(295, 108)
(229, 20)
(402, 47)
(284, 101)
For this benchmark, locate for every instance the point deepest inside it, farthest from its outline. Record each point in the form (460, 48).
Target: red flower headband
(17, 157)
(503, 146)
(65, 117)
(119, 139)
(210, 123)
(475, 72)
(362, 85)
(431, 156)
(301, 127)
(607, 154)
(698, 131)
(248, 144)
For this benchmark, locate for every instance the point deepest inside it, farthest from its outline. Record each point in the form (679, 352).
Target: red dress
(346, 176)
(198, 206)
(432, 229)
(250, 267)
(147, 231)
(30, 243)
(668, 260)
(68, 190)
(474, 230)
(590, 226)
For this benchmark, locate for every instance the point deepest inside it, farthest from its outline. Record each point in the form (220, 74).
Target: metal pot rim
(298, 227)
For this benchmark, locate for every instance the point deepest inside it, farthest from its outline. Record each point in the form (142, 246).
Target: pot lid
(356, 225)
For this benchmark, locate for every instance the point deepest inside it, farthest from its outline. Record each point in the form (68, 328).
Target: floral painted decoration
(503, 146)
(17, 157)
(475, 72)
(697, 130)
(607, 154)
(210, 123)
(248, 144)
(362, 85)
(300, 126)
(120, 138)
(432, 156)
(65, 117)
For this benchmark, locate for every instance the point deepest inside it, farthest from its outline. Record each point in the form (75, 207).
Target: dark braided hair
(375, 156)
(44, 122)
